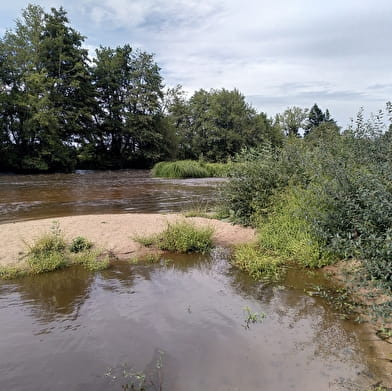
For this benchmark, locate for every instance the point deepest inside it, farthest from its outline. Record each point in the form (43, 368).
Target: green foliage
(91, 259)
(320, 198)
(190, 169)
(287, 232)
(11, 272)
(48, 252)
(258, 263)
(79, 244)
(252, 317)
(181, 237)
(179, 169)
(216, 125)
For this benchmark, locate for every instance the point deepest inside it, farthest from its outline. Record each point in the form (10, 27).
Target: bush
(47, 253)
(80, 244)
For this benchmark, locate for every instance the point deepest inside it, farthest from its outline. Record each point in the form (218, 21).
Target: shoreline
(112, 232)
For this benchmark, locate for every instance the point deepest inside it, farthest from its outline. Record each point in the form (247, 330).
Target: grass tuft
(190, 169)
(257, 263)
(181, 237)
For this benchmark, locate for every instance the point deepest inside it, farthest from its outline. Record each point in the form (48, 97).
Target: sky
(278, 53)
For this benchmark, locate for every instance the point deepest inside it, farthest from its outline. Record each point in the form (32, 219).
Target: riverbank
(113, 232)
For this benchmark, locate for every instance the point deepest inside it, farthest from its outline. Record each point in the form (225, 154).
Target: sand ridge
(112, 232)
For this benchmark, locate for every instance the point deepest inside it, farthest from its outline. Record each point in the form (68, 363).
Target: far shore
(112, 232)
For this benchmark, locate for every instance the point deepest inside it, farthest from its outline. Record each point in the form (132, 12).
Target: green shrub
(47, 253)
(79, 244)
(258, 263)
(47, 262)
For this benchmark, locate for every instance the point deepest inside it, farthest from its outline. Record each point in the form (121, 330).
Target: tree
(217, 124)
(130, 129)
(45, 91)
(316, 117)
(292, 120)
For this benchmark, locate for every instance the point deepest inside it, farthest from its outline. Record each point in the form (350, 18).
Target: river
(186, 323)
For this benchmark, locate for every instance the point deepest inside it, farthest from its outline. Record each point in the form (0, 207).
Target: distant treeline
(59, 110)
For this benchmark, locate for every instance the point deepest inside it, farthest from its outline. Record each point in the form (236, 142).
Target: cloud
(280, 53)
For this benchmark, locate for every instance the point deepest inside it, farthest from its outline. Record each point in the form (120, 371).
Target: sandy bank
(113, 232)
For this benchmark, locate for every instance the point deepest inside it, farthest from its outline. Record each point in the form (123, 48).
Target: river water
(184, 323)
(25, 197)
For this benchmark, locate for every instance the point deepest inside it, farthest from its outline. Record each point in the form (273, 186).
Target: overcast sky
(278, 53)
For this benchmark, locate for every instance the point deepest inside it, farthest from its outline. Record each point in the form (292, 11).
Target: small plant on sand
(181, 237)
(79, 244)
(48, 252)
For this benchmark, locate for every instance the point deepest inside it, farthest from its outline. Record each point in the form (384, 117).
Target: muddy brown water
(79, 330)
(26, 197)
(70, 329)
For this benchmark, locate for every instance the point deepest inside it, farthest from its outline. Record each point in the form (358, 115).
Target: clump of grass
(79, 244)
(184, 237)
(190, 169)
(259, 264)
(51, 252)
(11, 272)
(93, 260)
(181, 237)
(179, 169)
(47, 253)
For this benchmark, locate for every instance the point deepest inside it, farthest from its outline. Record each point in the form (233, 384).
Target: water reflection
(62, 330)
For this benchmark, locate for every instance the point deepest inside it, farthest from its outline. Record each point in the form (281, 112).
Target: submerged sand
(113, 232)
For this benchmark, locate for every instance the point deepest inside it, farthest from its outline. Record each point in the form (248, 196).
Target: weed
(79, 244)
(252, 317)
(48, 252)
(139, 380)
(184, 237)
(181, 237)
(11, 272)
(259, 264)
(93, 260)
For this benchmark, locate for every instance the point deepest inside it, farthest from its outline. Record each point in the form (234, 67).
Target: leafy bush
(79, 244)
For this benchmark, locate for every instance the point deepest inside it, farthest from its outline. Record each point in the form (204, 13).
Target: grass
(93, 260)
(258, 264)
(190, 169)
(51, 252)
(181, 237)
